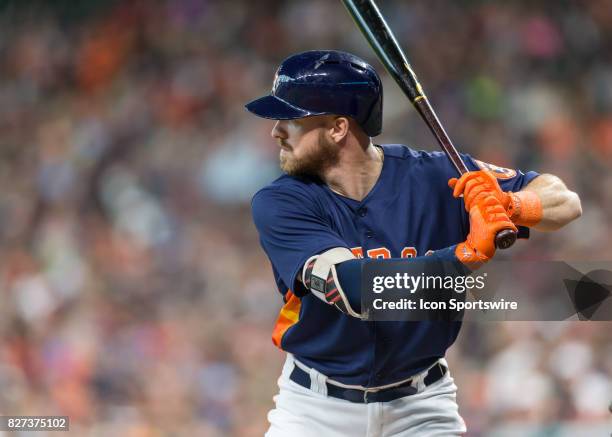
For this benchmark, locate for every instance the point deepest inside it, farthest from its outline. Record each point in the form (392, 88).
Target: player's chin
(286, 163)
(293, 167)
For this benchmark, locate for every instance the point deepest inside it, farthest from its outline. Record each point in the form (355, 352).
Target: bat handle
(505, 238)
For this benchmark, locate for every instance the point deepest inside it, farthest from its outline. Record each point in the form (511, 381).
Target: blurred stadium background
(135, 297)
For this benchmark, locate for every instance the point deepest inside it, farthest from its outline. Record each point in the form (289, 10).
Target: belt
(302, 378)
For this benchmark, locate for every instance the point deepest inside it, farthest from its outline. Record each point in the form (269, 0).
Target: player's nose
(279, 131)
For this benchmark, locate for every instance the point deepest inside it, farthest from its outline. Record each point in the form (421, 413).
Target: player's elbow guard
(321, 278)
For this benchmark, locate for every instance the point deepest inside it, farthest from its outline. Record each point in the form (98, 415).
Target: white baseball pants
(302, 412)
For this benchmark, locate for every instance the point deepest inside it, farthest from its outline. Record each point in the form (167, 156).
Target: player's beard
(313, 163)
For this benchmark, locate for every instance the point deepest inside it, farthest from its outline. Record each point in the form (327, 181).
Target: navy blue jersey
(409, 211)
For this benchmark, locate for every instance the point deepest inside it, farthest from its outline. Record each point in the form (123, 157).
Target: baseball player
(344, 199)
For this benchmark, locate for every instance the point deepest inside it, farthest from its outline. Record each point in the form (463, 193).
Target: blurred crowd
(135, 297)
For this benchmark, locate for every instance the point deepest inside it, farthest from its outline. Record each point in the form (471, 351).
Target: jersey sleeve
(508, 179)
(291, 229)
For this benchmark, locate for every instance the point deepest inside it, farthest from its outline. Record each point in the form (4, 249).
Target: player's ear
(339, 129)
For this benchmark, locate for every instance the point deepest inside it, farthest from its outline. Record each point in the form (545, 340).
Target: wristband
(525, 208)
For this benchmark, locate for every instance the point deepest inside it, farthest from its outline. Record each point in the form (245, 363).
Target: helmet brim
(275, 108)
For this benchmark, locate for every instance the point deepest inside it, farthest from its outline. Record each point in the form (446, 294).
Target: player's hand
(487, 218)
(524, 208)
(478, 184)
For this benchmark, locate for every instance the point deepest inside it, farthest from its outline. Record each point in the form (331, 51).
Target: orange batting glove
(487, 218)
(524, 208)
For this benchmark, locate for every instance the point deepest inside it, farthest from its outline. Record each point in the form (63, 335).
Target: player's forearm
(341, 287)
(559, 205)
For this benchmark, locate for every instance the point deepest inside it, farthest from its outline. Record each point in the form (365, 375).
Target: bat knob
(505, 238)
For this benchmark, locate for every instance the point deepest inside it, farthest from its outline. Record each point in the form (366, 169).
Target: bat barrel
(386, 47)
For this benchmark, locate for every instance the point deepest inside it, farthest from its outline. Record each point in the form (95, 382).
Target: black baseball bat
(372, 24)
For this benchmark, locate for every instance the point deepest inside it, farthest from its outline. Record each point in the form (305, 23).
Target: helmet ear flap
(373, 124)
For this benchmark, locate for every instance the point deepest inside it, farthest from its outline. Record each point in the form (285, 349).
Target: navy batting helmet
(324, 82)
